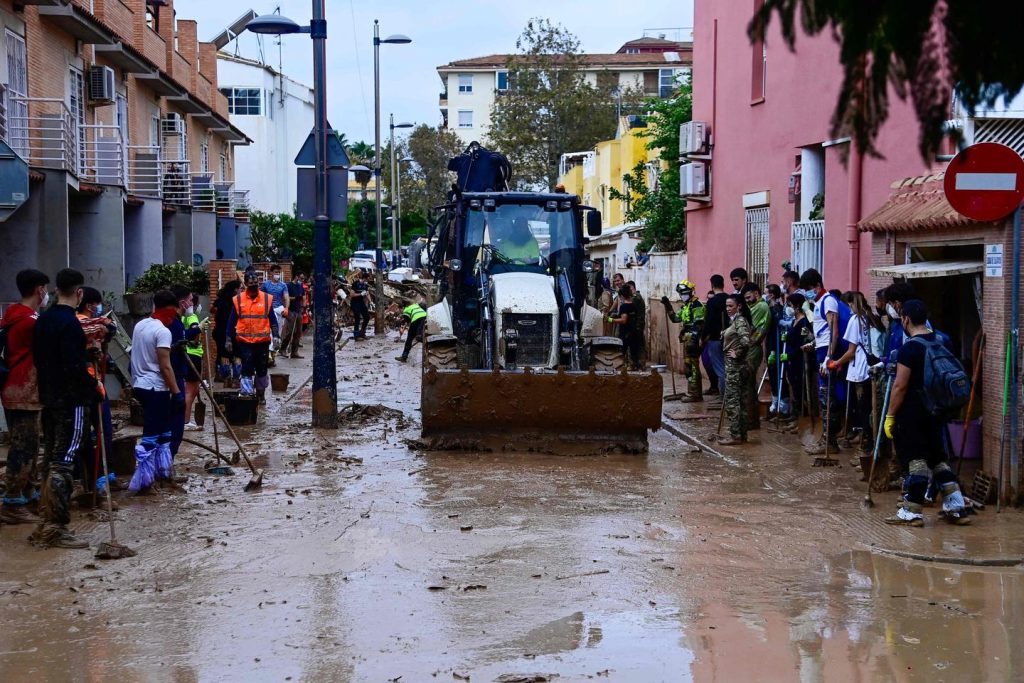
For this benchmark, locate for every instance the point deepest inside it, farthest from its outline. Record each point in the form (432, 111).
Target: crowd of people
(818, 346)
(55, 360)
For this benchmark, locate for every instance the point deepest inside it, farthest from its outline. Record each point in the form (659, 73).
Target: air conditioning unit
(693, 137)
(102, 87)
(172, 124)
(693, 179)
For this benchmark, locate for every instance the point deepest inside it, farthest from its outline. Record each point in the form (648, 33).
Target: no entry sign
(985, 181)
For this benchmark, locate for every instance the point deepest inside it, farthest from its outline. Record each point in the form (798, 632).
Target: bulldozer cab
(513, 232)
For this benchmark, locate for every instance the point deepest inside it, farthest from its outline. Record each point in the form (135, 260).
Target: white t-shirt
(825, 305)
(858, 370)
(149, 335)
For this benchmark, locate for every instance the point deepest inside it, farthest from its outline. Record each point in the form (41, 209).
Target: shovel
(109, 550)
(674, 396)
(257, 475)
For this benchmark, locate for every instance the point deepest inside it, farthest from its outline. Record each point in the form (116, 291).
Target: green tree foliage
(921, 49)
(550, 108)
(426, 179)
(659, 208)
(281, 237)
(361, 153)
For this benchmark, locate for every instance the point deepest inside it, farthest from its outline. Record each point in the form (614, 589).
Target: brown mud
(362, 559)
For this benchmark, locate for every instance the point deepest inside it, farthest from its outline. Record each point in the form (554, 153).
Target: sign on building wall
(993, 260)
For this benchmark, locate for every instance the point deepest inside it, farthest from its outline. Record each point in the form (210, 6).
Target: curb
(945, 559)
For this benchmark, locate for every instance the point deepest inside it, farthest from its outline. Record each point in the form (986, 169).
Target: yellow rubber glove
(889, 425)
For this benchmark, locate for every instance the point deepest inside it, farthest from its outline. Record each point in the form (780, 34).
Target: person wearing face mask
(799, 338)
(67, 392)
(739, 382)
(194, 351)
(98, 332)
(252, 327)
(690, 316)
(278, 290)
(20, 396)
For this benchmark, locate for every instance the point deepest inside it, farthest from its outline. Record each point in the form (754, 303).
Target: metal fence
(101, 154)
(48, 136)
(808, 246)
(757, 245)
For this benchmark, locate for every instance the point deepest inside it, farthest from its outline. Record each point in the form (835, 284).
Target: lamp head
(273, 24)
(396, 39)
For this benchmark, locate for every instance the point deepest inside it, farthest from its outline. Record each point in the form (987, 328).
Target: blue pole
(1014, 352)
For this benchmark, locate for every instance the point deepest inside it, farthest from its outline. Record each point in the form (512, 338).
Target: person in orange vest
(252, 331)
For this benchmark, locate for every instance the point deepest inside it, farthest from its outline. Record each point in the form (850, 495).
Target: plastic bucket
(972, 451)
(279, 381)
(241, 410)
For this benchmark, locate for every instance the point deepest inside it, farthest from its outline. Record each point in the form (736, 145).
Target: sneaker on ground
(191, 426)
(905, 517)
(401, 359)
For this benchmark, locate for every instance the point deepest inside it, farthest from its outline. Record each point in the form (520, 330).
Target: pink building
(767, 112)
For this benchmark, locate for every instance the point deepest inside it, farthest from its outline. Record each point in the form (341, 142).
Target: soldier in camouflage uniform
(739, 384)
(691, 317)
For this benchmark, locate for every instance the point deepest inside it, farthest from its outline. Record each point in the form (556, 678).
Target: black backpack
(945, 387)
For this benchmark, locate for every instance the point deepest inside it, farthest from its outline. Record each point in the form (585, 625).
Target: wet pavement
(363, 559)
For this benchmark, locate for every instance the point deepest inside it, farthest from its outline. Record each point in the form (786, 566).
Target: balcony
(808, 245)
(101, 155)
(145, 171)
(3, 113)
(43, 132)
(240, 204)
(442, 99)
(211, 195)
(176, 182)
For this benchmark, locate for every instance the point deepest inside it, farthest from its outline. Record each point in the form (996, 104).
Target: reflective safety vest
(527, 252)
(414, 312)
(253, 326)
(194, 347)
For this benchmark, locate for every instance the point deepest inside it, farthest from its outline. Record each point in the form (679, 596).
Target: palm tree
(360, 152)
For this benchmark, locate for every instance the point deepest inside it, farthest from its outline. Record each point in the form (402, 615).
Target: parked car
(365, 259)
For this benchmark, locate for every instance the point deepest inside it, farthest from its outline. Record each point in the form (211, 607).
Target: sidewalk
(779, 459)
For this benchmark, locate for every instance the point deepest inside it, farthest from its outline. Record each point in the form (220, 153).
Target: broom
(109, 550)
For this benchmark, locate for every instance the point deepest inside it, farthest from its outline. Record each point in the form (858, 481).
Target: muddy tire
(443, 355)
(607, 358)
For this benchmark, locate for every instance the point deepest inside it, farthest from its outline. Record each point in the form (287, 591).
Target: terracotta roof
(610, 60)
(915, 204)
(656, 42)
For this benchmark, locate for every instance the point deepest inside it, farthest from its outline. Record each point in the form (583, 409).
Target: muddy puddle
(364, 560)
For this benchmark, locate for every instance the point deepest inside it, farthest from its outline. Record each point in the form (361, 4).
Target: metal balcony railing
(145, 171)
(43, 131)
(204, 196)
(102, 155)
(240, 204)
(3, 113)
(176, 181)
(808, 245)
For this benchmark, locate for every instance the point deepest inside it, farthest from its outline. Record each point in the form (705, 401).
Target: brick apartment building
(112, 111)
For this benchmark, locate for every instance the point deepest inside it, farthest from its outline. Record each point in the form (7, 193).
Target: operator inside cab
(517, 242)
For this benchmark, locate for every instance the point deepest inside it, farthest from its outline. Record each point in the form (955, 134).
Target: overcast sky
(441, 30)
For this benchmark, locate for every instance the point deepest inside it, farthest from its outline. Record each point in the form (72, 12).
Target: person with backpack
(930, 386)
(831, 317)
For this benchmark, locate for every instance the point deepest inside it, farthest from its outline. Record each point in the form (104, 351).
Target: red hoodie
(21, 391)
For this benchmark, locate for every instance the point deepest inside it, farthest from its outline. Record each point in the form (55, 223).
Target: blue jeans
(156, 412)
(717, 357)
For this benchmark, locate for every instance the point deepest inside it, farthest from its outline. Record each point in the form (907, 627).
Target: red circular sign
(985, 181)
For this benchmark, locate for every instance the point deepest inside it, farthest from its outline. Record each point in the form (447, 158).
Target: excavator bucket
(526, 410)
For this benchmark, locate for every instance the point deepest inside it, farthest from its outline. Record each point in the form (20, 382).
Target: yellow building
(592, 174)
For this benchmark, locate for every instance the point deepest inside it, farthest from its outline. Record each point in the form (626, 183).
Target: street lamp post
(398, 200)
(395, 199)
(325, 372)
(397, 39)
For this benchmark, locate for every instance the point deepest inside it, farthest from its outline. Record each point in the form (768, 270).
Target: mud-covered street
(365, 559)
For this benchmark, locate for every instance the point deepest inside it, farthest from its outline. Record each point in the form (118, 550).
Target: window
(76, 105)
(759, 64)
(204, 156)
(668, 82)
(632, 50)
(223, 167)
(465, 82)
(502, 79)
(17, 88)
(757, 244)
(465, 118)
(244, 101)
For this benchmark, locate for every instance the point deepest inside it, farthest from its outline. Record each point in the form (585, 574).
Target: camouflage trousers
(21, 471)
(754, 357)
(65, 437)
(739, 396)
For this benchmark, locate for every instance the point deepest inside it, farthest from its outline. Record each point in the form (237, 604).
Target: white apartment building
(276, 113)
(471, 85)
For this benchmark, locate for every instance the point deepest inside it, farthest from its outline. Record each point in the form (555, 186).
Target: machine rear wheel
(443, 355)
